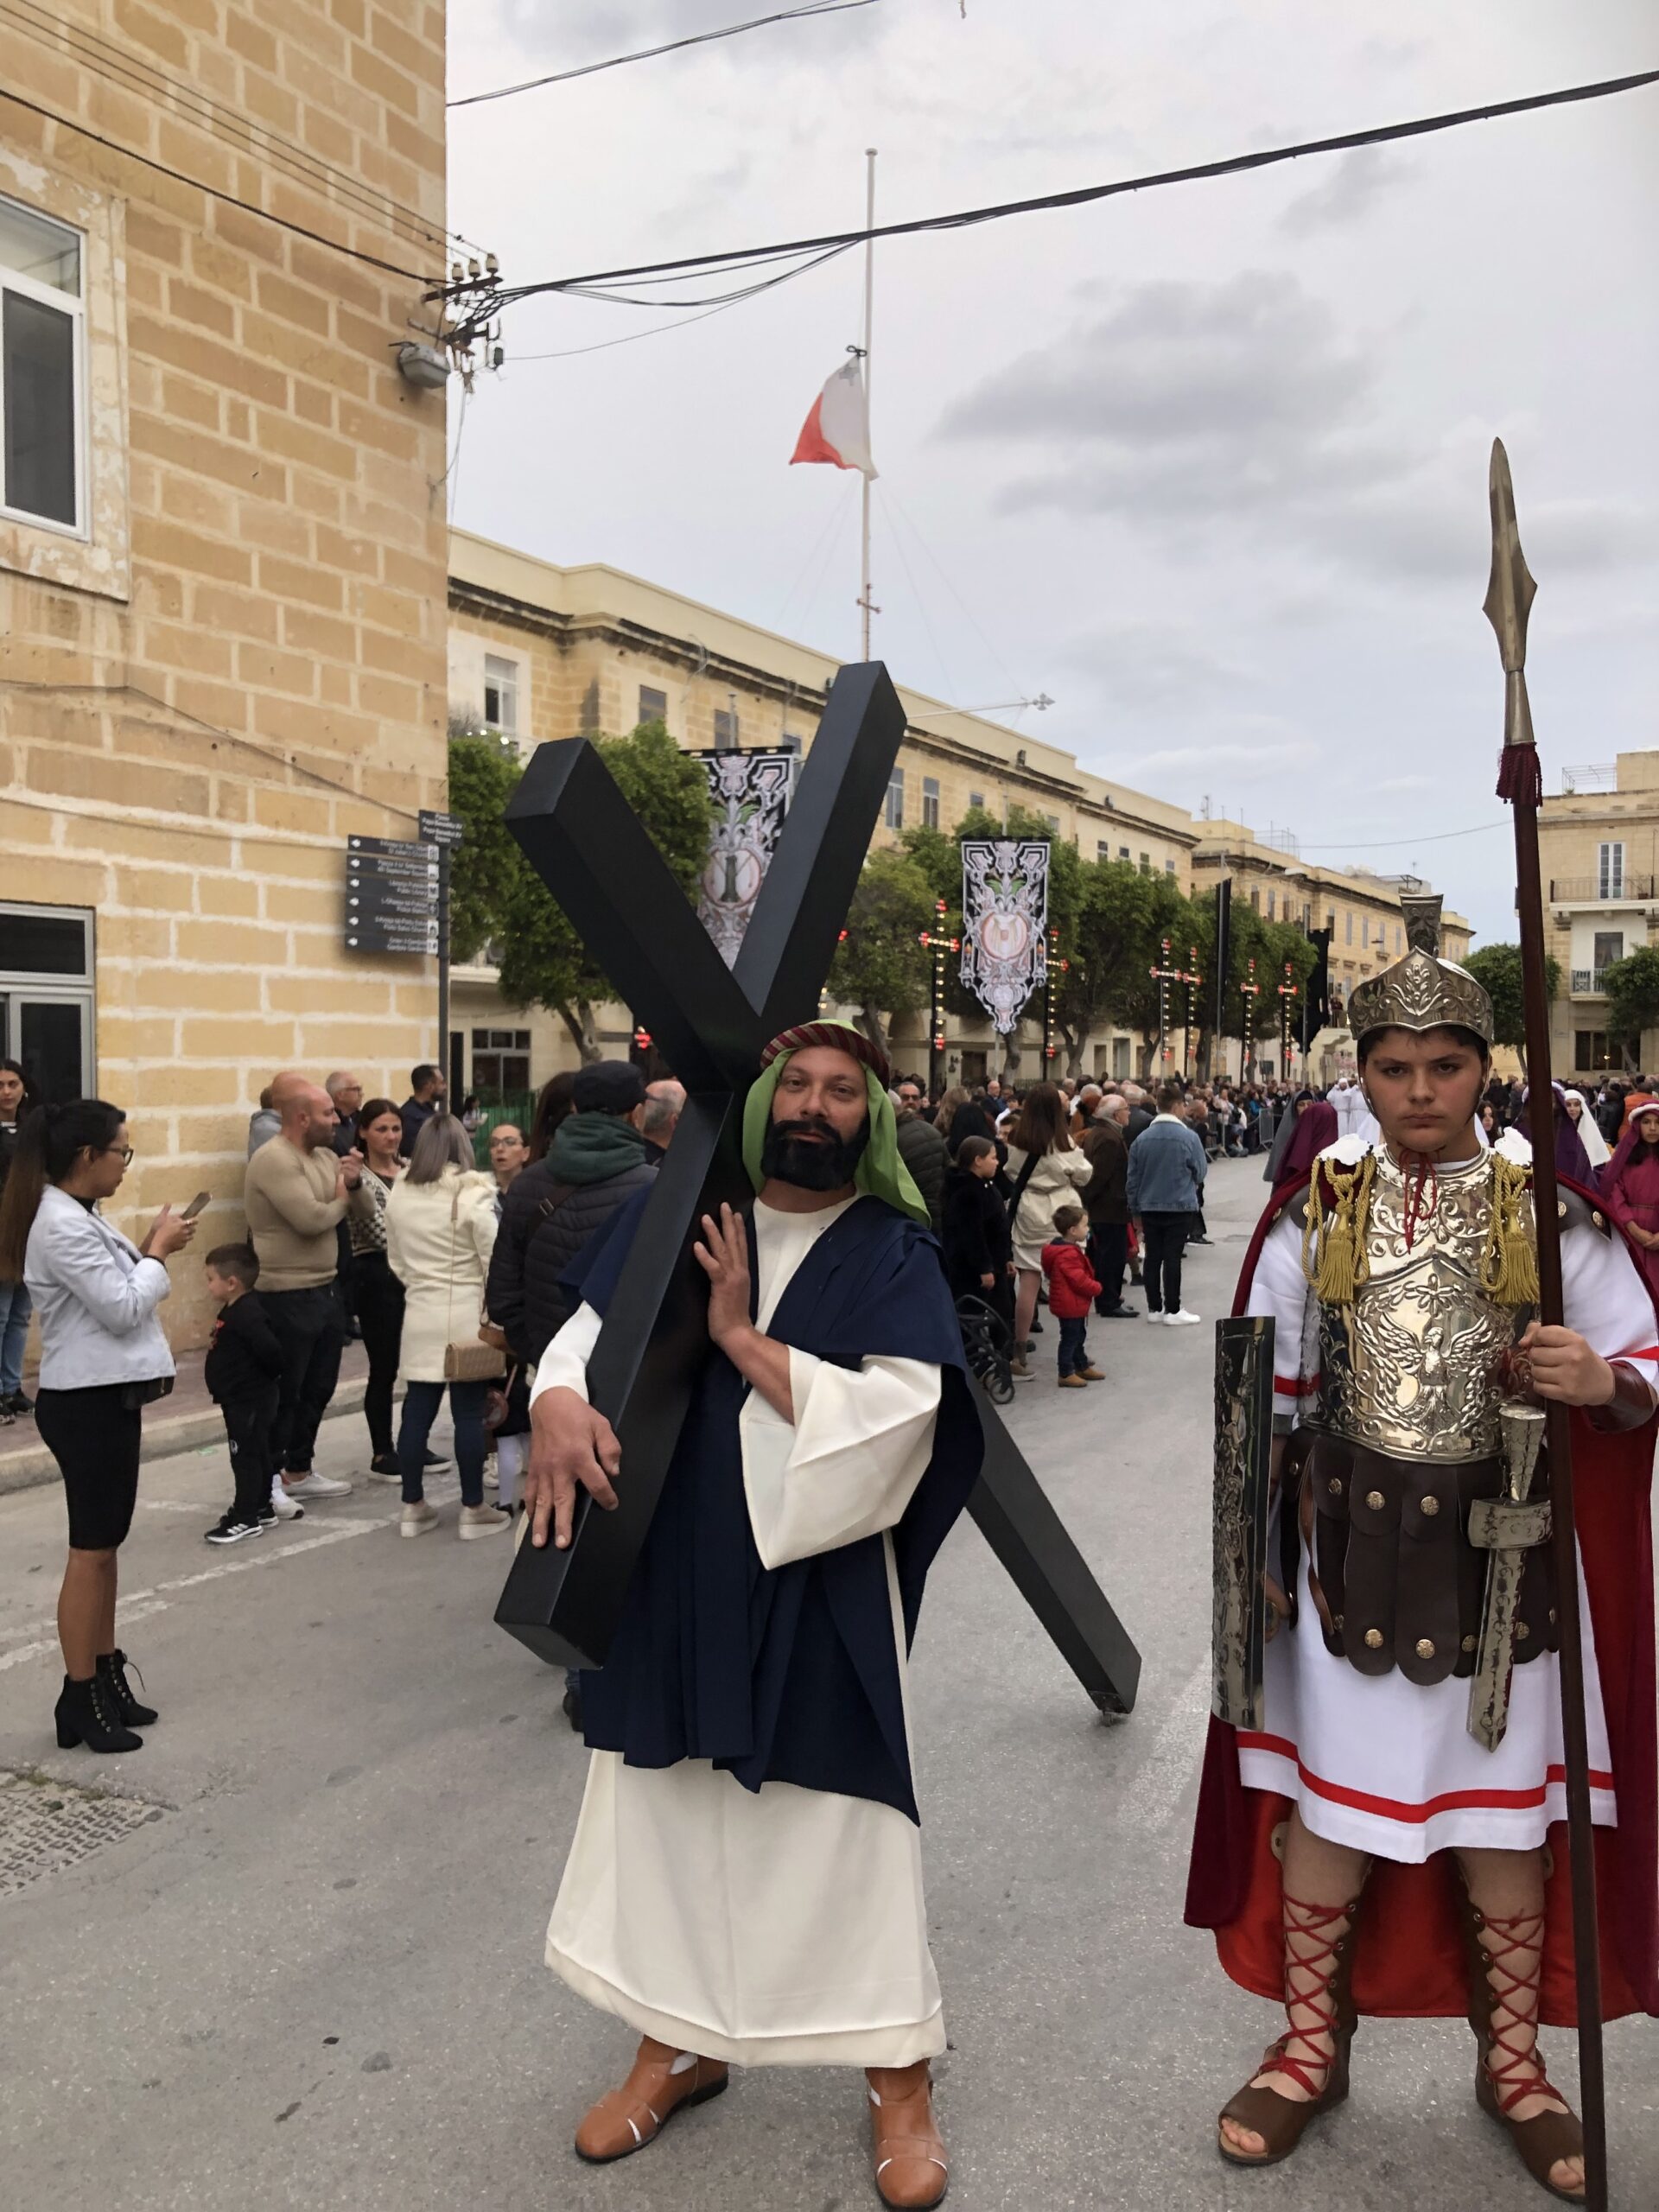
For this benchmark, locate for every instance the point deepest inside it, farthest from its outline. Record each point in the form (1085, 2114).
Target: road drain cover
(47, 1826)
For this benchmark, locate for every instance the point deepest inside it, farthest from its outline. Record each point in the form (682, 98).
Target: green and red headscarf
(880, 1173)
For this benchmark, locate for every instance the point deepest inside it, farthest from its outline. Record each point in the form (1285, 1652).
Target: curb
(34, 1466)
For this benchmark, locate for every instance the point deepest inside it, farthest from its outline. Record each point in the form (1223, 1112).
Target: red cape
(1409, 1962)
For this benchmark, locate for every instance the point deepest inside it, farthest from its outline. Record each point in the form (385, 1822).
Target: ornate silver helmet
(1422, 991)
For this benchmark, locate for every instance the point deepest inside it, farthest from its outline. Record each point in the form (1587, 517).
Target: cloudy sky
(1207, 465)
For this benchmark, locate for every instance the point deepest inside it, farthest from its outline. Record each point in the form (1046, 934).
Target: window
(41, 335)
(1364, 929)
(976, 798)
(1053, 822)
(930, 802)
(1123, 852)
(1399, 941)
(1331, 923)
(501, 694)
(1348, 929)
(46, 998)
(500, 1062)
(1609, 947)
(1589, 1052)
(1255, 897)
(794, 743)
(1610, 873)
(725, 729)
(1102, 849)
(1146, 863)
(1119, 1057)
(1273, 905)
(1169, 867)
(653, 704)
(894, 815)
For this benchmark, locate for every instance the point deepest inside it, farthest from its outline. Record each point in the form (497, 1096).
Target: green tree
(881, 966)
(1123, 916)
(1632, 988)
(1497, 969)
(497, 900)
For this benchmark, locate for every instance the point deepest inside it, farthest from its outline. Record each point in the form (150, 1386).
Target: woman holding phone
(103, 1359)
(379, 1293)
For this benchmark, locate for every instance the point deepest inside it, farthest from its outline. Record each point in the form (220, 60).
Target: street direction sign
(393, 896)
(442, 828)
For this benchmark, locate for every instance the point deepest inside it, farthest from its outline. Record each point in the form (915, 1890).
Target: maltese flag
(838, 429)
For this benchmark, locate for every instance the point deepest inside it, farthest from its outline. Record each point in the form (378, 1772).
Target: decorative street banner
(751, 791)
(1005, 923)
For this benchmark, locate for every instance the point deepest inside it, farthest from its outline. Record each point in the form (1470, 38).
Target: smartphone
(196, 1204)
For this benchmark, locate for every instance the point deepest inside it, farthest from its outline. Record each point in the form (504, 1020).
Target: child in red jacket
(1070, 1288)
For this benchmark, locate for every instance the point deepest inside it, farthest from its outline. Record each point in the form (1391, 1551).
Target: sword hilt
(1523, 1430)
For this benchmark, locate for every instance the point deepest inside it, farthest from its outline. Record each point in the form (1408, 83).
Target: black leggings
(380, 1312)
(1166, 1240)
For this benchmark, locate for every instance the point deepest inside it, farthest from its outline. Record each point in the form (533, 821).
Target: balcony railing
(1626, 890)
(1588, 982)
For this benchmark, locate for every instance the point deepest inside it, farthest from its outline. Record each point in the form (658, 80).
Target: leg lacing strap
(1316, 1935)
(1512, 1952)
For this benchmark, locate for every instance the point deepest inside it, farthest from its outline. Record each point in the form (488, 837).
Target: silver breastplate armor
(1412, 1367)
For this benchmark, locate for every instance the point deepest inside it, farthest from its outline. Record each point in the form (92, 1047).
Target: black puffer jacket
(923, 1150)
(595, 1164)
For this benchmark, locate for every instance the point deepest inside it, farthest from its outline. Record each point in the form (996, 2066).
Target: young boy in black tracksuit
(242, 1372)
(978, 1242)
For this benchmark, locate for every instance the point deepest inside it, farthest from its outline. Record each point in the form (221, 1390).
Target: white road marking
(157, 1601)
(1172, 1762)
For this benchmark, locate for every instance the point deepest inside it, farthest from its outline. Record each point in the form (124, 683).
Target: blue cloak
(785, 1673)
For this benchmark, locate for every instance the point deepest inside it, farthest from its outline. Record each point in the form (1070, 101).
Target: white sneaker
(1155, 1319)
(482, 1521)
(1181, 1321)
(316, 1485)
(283, 1505)
(416, 1520)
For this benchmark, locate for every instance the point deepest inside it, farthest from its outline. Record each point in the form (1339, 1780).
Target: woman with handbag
(440, 1233)
(1044, 1169)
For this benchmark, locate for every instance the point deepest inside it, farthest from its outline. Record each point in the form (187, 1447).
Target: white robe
(1386, 1765)
(784, 1927)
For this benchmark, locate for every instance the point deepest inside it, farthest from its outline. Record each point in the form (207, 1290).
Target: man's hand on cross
(569, 1444)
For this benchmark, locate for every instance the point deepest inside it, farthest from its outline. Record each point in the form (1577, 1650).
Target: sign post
(445, 831)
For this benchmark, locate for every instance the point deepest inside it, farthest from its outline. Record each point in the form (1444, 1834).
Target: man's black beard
(786, 1157)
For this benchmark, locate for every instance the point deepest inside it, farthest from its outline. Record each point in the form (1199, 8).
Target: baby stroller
(988, 1344)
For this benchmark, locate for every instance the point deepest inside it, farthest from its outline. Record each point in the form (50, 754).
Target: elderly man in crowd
(1106, 1201)
(921, 1147)
(295, 1195)
(660, 1116)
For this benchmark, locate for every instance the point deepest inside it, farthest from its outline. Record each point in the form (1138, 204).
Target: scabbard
(1242, 1487)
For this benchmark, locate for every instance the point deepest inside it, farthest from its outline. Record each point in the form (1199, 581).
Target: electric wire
(916, 593)
(213, 191)
(890, 493)
(830, 519)
(128, 72)
(633, 338)
(1197, 172)
(651, 53)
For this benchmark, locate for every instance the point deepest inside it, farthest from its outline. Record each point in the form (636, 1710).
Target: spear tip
(1510, 589)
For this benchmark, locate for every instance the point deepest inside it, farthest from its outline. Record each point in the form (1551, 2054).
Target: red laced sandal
(1506, 1960)
(1318, 1968)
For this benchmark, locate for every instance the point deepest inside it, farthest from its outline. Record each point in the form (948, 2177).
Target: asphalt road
(301, 1961)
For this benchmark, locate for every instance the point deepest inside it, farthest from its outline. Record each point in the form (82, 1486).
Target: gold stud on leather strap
(1375, 1500)
(1472, 1643)
(1374, 1639)
(1431, 1506)
(1336, 1485)
(1522, 1631)
(1425, 1647)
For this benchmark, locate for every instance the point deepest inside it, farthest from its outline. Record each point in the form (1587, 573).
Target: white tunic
(1383, 1764)
(784, 1927)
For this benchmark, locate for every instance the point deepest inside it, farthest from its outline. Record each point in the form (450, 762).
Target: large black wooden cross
(710, 1023)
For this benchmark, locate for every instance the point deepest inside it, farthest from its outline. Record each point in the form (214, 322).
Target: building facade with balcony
(1598, 853)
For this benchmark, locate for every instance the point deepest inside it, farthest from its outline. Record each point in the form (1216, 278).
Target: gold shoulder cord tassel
(1341, 1265)
(1509, 1266)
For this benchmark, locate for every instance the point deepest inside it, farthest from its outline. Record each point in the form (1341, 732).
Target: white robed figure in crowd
(744, 1885)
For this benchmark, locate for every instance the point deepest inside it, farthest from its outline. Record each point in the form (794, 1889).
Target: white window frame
(501, 676)
(29, 986)
(892, 813)
(1610, 870)
(73, 306)
(930, 802)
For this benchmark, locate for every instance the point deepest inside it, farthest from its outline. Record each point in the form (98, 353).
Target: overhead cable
(649, 53)
(1232, 165)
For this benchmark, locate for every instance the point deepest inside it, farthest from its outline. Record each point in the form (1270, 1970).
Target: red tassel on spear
(1508, 599)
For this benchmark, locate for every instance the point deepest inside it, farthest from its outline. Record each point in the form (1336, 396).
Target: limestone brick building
(221, 555)
(1599, 855)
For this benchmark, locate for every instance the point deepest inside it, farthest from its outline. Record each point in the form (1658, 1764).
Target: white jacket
(96, 1297)
(439, 1238)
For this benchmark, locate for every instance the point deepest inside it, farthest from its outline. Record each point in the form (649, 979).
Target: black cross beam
(710, 1023)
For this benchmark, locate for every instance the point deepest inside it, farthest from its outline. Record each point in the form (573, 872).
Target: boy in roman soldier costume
(1381, 1843)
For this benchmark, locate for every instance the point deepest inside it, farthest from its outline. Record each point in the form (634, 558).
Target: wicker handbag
(470, 1359)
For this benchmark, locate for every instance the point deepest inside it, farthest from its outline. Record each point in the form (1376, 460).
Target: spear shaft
(1509, 597)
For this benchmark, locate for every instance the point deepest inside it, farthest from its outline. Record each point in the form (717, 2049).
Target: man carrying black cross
(745, 1886)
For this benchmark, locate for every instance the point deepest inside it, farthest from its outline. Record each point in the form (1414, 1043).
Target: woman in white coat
(1047, 1170)
(439, 1232)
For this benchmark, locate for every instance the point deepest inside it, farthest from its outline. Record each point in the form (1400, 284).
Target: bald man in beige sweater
(295, 1197)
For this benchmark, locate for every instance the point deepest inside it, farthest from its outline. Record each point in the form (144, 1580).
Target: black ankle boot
(85, 1714)
(113, 1668)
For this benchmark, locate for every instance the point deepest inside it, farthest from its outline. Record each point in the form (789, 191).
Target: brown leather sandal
(626, 2120)
(910, 2170)
(1318, 1969)
(1506, 1954)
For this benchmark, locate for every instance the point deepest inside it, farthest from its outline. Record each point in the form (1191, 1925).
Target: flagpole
(869, 310)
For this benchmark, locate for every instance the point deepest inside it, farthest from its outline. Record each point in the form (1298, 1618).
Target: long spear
(1508, 598)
